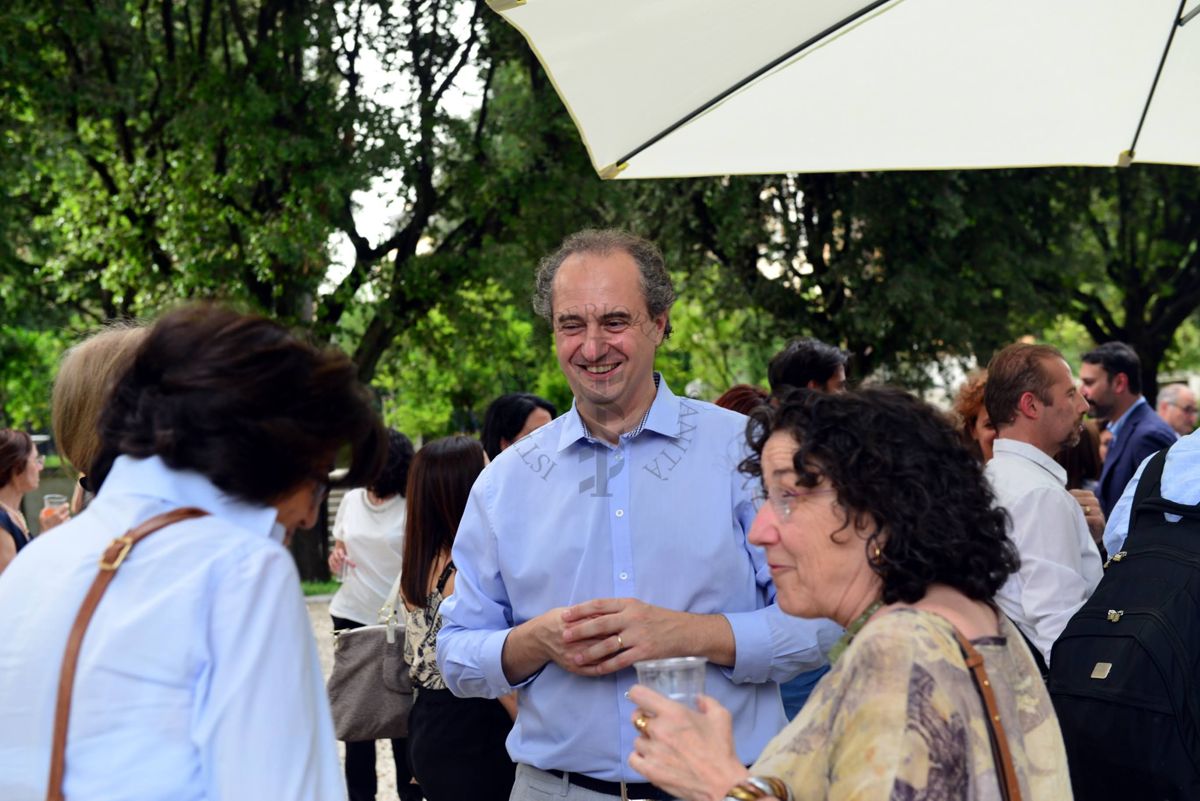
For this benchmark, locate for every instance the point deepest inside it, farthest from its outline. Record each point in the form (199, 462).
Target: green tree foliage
(1131, 259)
(196, 149)
(27, 361)
(901, 269)
(183, 149)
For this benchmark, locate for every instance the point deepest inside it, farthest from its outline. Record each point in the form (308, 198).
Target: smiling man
(614, 534)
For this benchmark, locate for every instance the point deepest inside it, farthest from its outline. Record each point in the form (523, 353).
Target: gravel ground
(385, 767)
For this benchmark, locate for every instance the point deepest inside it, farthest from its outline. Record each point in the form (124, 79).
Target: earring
(878, 553)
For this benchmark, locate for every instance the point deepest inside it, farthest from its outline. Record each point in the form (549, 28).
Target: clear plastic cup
(53, 505)
(680, 678)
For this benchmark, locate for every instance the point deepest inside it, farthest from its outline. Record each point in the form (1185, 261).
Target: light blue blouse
(198, 677)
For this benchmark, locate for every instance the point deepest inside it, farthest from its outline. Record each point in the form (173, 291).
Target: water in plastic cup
(680, 679)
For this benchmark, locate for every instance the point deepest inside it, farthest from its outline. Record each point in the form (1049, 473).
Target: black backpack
(1125, 673)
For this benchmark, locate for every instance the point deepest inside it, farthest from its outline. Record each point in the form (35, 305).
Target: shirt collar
(662, 417)
(1115, 426)
(1024, 450)
(152, 478)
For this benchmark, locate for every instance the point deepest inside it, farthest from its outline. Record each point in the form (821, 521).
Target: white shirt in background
(1060, 566)
(198, 678)
(374, 537)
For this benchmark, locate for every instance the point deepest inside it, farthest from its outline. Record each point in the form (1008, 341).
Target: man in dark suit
(1112, 383)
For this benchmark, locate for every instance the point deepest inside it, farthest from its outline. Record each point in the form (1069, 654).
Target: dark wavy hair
(393, 478)
(1117, 357)
(803, 360)
(506, 416)
(899, 469)
(240, 400)
(439, 484)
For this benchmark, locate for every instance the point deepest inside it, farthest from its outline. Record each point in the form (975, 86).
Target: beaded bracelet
(755, 787)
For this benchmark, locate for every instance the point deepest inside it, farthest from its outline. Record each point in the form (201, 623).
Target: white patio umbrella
(663, 88)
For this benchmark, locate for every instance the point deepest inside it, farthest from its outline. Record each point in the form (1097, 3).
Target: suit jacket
(1143, 434)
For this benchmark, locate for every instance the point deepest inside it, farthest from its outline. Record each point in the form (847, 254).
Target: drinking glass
(679, 678)
(53, 505)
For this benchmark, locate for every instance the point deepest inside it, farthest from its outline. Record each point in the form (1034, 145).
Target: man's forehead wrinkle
(591, 311)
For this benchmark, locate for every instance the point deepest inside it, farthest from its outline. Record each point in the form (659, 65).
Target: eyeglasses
(1185, 409)
(785, 500)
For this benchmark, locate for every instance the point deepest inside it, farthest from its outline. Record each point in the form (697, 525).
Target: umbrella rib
(1127, 157)
(684, 120)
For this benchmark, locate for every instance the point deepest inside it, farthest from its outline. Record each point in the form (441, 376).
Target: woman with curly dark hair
(876, 516)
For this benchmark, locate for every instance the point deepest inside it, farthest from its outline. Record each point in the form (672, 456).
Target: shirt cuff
(753, 648)
(492, 652)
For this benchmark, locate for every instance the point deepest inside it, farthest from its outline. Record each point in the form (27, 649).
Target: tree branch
(464, 54)
(168, 23)
(239, 28)
(1096, 317)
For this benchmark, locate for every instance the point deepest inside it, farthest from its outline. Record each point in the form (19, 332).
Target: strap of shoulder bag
(110, 562)
(445, 576)
(391, 603)
(1006, 772)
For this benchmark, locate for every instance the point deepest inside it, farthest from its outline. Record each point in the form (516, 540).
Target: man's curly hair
(900, 470)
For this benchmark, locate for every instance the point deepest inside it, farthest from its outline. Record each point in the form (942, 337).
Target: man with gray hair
(1177, 408)
(614, 534)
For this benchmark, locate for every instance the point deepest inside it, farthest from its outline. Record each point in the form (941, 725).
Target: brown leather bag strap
(1006, 772)
(110, 561)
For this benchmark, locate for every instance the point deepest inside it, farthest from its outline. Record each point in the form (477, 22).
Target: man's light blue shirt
(560, 518)
(1180, 483)
(1115, 426)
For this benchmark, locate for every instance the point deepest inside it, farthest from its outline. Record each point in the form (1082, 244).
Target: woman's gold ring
(1087, 510)
(640, 723)
(620, 642)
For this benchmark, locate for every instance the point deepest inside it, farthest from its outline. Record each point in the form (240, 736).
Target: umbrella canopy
(662, 88)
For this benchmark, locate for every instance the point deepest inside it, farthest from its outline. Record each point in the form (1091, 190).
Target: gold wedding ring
(640, 723)
(1087, 510)
(620, 642)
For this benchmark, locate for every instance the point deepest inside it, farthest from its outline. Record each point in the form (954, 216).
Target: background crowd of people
(851, 560)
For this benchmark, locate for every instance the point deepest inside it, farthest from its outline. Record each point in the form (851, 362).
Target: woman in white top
(198, 677)
(367, 552)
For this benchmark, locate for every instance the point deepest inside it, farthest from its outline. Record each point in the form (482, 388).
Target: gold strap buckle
(126, 543)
